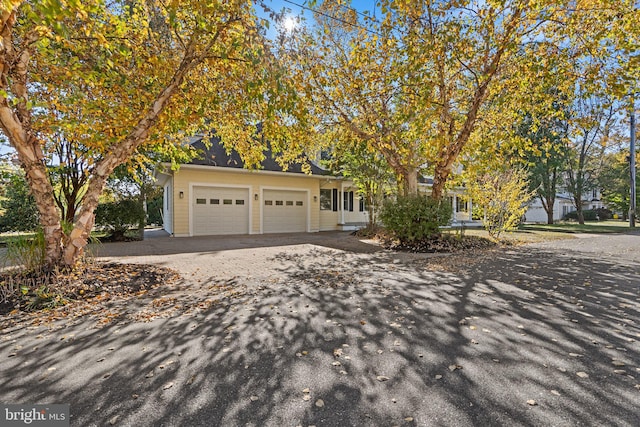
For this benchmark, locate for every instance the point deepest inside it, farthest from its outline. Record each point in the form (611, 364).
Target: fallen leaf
(454, 367)
(306, 397)
(619, 371)
(408, 419)
(582, 374)
(114, 420)
(306, 390)
(556, 392)
(253, 398)
(336, 363)
(382, 378)
(532, 402)
(438, 377)
(320, 403)
(167, 386)
(617, 363)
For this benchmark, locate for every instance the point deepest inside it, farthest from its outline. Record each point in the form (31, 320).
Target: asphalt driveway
(326, 330)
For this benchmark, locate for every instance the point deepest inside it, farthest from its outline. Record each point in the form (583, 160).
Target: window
(268, 202)
(201, 201)
(227, 201)
(299, 203)
(214, 201)
(289, 202)
(348, 201)
(361, 204)
(279, 203)
(325, 200)
(239, 202)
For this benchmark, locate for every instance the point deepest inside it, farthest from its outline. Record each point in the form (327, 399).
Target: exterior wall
(332, 220)
(562, 206)
(256, 181)
(329, 218)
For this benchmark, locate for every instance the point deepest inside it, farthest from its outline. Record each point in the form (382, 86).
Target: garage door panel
(220, 210)
(284, 211)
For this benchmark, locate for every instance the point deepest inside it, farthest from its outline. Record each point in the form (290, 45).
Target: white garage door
(220, 210)
(284, 211)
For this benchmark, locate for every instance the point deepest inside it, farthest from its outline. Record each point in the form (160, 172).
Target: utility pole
(632, 166)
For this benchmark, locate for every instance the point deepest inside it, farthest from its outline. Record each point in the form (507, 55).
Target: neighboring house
(562, 206)
(216, 195)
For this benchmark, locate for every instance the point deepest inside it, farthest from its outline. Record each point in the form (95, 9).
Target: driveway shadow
(345, 339)
(165, 245)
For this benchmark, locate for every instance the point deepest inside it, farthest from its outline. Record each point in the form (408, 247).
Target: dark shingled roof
(216, 155)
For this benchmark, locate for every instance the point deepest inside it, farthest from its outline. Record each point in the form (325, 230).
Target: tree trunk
(410, 181)
(439, 180)
(580, 217)
(548, 207)
(42, 191)
(550, 216)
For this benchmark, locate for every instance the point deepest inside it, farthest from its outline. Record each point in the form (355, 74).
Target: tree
(545, 154)
(614, 183)
(116, 77)
(352, 74)
(590, 127)
(368, 170)
(415, 83)
(68, 174)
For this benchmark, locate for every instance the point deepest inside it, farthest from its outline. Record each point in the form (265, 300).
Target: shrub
(20, 212)
(154, 211)
(118, 217)
(415, 218)
(600, 214)
(503, 195)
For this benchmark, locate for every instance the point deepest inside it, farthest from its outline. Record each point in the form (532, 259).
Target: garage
(220, 210)
(284, 211)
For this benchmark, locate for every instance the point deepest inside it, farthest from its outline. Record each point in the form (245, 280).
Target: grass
(96, 234)
(530, 233)
(601, 227)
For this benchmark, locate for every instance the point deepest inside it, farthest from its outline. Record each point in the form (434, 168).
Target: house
(216, 195)
(562, 206)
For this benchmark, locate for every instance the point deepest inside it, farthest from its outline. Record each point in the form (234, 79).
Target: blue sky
(295, 10)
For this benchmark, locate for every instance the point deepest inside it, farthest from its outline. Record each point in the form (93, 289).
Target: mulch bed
(442, 243)
(90, 283)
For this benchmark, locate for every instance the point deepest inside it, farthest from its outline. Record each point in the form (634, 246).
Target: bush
(503, 195)
(154, 211)
(415, 218)
(20, 212)
(600, 214)
(118, 217)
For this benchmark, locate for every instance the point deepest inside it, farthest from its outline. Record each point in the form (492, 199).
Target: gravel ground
(326, 330)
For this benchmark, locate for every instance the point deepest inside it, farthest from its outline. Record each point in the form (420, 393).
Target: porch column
(341, 202)
(454, 199)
